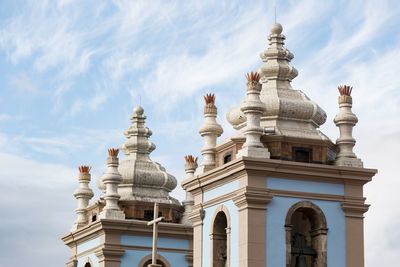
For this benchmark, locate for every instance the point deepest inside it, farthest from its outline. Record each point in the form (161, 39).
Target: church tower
(279, 192)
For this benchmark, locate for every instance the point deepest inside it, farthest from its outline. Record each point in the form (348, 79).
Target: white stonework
(111, 179)
(190, 168)
(83, 194)
(252, 107)
(287, 111)
(346, 120)
(210, 131)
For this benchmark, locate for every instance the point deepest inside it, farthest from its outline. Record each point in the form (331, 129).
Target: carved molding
(252, 198)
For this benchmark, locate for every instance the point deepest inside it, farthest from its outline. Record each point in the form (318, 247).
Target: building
(277, 193)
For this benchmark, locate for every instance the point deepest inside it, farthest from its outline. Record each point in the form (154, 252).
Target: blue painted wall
(221, 190)
(276, 214)
(81, 248)
(305, 186)
(133, 257)
(207, 226)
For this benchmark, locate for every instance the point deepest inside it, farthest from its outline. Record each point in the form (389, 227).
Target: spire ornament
(210, 131)
(142, 178)
(83, 194)
(346, 120)
(190, 168)
(111, 179)
(252, 107)
(288, 112)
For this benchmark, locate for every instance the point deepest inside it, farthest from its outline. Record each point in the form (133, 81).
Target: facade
(277, 193)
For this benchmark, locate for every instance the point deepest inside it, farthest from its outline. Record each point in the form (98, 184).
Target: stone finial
(111, 178)
(253, 108)
(209, 99)
(113, 152)
(190, 168)
(345, 90)
(346, 120)
(83, 194)
(210, 131)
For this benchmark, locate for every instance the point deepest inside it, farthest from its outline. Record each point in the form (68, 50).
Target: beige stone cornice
(112, 254)
(280, 168)
(252, 198)
(354, 209)
(129, 227)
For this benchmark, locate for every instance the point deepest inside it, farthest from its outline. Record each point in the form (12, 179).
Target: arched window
(88, 264)
(306, 236)
(220, 238)
(160, 260)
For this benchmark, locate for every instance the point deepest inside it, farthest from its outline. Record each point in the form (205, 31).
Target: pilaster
(251, 203)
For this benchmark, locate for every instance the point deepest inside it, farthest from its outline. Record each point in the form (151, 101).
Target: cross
(155, 222)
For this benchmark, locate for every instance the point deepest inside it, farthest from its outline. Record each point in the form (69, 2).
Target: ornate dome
(288, 112)
(142, 178)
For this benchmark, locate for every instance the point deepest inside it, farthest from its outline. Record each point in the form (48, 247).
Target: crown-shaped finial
(253, 77)
(190, 159)
(209, 99)
(345, 89)
(113, 152)
(84, 169)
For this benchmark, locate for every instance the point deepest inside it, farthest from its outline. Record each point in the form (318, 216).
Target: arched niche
(160, 260)
(220, 238)
(306, 235)
(88, 263)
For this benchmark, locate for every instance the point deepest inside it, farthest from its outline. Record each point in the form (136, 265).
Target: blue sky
(72, 71)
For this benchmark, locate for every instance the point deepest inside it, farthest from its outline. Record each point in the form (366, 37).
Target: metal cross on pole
(155, 222)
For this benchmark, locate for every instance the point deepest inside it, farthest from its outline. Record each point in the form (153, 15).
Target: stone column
(190, 168)
(253, 108)
(83, 194)
(346, 120)
(111, 179)
(209, 131)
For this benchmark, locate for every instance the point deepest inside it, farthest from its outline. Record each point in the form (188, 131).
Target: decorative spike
(209, 99)
(253, 77)
(113, 152)
(345, 89)
(84, 169)
(190, 159)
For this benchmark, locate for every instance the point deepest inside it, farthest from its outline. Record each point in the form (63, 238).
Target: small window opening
(94, 217)
(88, 265)
(301, 154)
(227, 158)
(149, 215)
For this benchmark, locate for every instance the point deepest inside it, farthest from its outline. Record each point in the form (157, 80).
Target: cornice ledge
(252, 198)
(355, 209)
(112, 254)
(364, 175)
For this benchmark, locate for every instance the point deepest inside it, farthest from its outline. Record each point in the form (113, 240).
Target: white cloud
(23, 83)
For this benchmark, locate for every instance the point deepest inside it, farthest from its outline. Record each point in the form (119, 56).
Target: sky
(72, 71)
